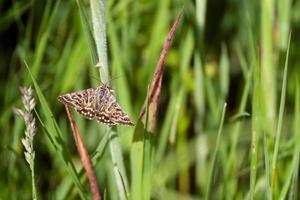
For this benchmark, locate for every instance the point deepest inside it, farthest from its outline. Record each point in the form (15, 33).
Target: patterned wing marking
(108, 110)
(83, 101)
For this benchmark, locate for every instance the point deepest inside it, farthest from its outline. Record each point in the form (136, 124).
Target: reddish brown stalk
(155, 88)
(84, 156)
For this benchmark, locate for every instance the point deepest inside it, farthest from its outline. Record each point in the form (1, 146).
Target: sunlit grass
(241, 57)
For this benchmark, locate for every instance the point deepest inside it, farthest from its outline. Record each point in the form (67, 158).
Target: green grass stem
(280, 118)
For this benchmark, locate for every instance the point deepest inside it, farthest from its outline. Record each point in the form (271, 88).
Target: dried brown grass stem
(84, 156)
(155, 88)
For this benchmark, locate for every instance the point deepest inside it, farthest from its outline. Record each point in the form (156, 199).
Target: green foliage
(234, 52)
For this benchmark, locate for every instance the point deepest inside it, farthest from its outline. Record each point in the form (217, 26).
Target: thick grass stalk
(99, 30)
(284, 19)
(267, 67)
(118, 163)
(199, 91)
(139, 165)
(256, 120)
(137, 162)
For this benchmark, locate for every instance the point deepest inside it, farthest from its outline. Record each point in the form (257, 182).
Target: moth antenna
(110, 80)
(97, 79)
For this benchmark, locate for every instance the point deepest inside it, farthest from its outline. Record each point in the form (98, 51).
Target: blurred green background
(232, 51)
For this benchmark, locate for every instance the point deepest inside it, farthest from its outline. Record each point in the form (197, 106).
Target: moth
(97, 103)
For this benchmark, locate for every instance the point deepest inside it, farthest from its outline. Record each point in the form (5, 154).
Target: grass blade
(88, 32)
(137, 162)
(280, 118)
(55, 137)
(118, 163)
(224, 73)
(284, 18)
(42, 44)
(165, 130)
(214, 158)
(99, 30)
(267, 169)
(267, 68)
(256, 127)
(294, 170)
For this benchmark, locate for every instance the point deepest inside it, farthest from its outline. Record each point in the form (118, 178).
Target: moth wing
(109, 111)
(82, 101)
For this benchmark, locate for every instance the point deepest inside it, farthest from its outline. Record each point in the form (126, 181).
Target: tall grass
(236, 52)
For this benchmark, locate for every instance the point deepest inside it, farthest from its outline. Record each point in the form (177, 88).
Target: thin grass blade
(267, 169)
(88, 32)
(214, 158)
(280, 118)
(54, 135)
(293, 189)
